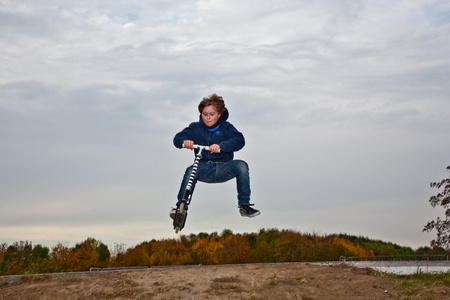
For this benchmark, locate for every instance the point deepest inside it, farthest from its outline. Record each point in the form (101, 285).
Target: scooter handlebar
(195, 146)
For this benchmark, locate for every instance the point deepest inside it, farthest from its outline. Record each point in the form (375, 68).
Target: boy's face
(210, 115)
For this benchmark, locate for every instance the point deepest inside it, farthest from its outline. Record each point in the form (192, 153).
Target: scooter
(181, 213)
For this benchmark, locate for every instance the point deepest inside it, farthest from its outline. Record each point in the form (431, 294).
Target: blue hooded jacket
(222, 133)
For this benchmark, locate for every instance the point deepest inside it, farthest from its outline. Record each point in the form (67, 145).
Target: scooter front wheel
(182, 207)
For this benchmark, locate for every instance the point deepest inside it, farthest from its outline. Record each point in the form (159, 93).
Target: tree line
(265, 246)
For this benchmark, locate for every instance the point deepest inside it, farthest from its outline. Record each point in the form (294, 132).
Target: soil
(259, 281)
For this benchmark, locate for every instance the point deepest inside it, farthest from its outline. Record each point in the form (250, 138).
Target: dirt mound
(267, 281)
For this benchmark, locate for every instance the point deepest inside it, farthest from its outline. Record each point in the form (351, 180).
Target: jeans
(215, 172)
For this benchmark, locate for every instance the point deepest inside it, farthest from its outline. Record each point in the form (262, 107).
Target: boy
(218, 164)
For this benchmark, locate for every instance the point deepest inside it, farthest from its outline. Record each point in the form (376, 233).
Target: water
(404, 267)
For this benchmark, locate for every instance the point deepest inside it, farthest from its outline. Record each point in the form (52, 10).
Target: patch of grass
(273, 283)
(428, 278)
(409, 287)
(413, 284)
(443, 278)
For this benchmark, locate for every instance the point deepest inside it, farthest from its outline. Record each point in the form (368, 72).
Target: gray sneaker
(247, 211)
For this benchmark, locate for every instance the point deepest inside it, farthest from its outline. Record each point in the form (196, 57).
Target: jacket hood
(222, 119)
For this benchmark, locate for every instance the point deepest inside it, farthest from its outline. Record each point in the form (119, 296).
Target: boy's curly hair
(214, 100)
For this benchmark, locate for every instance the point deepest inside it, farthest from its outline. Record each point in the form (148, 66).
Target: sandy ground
(266, 281)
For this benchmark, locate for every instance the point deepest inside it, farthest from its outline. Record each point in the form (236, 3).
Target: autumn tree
(17, 259)
(226, 232)
(136, 257)
(82, 258)
(90, 253)
(3, 247)
(269, 245)
(442, 226)
(235, 249)
(205, 251)
(264, 249)
(103, 252)
(168, 252)
(178, 252)
(59, 257)
(40, 252)
(292, 247)
(350, 249)
(40, 259)
(117, 254)
(378, 247)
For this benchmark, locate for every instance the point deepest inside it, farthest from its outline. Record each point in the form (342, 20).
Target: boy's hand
(214, 148)
(188, 144)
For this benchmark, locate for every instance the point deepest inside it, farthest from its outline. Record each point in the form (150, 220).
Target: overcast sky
(344, 106)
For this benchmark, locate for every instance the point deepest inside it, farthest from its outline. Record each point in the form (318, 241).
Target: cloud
(343, 106)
